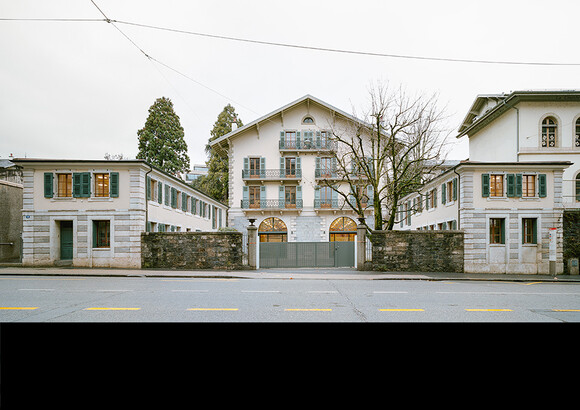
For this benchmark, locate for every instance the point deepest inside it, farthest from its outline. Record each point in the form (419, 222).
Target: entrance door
(66, 240)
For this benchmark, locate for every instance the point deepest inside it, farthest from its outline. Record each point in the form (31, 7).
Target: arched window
(273, 230)
(549, 132)
(308, 120)
(577, 137)
(342, 229)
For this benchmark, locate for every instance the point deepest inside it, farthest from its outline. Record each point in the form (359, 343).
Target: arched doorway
(342, 229)
(273, 230)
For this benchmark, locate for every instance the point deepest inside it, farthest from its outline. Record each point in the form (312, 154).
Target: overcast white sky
(81, 89)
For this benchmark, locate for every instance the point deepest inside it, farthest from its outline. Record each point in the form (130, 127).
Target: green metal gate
(306, 254)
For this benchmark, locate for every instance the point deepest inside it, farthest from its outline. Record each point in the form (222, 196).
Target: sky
(82, 89)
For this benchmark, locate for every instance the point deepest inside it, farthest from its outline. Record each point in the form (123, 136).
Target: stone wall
(571, 234)
(10, 221)
(417, 251)
(191, 250)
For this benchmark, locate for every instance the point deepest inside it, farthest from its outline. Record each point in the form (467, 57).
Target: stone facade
(10, 221)
(417, 251)
(191, 250)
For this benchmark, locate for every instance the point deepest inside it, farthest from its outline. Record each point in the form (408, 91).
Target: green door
(66, 240)
(343, 253)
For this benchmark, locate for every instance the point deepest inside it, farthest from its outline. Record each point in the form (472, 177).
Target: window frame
(104, 191)
(106, 227)
(68, 191)
(496, 231)
(547, 126)
(529, 231)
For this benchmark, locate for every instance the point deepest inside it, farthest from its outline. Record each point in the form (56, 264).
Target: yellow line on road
(308, 310)
(111, 308)
(18, 308)
(401, 310)
(565, 310)
(532, 283)
(488, 310)
(226, 309)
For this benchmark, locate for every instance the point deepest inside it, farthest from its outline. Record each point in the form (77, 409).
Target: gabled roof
(475, 120)
(220, 144)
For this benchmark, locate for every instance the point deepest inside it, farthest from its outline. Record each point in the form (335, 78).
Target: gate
(306, 254)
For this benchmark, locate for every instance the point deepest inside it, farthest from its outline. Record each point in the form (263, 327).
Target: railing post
(252, 244)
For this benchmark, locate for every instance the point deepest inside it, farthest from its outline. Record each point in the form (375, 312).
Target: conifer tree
(161, 140)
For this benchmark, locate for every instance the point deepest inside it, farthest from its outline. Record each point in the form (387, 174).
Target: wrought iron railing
(325, 173)
(320, 144)
(338, 204)
(271, 204)
(272, 173)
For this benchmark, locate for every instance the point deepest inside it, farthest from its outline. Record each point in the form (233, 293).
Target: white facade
(273, 170)
(510, 127)
(91, 213)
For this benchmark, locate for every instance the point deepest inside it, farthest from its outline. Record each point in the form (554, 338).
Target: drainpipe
(458, 198)
(146, 200)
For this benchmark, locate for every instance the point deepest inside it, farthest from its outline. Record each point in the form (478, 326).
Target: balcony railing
(273, 174)
(307, 145)
(325, 173)
(271, 204)
(337, 204)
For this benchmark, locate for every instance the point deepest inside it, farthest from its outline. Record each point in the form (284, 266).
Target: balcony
(333, 204)
(271, 174)
(271, 204)
(308, 145)
(322, 173)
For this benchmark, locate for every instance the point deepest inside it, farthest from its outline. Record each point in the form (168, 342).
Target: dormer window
(549, 132)
(308, 120)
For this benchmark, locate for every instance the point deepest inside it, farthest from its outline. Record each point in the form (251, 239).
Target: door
(66, 240)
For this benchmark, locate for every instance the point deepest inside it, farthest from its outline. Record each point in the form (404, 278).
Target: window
(497, 230)
(529, 227)
(101, 234)
(342, 229)
(326, 167)
(549, 132)
(290, 167)
(254, 167)
(273, 230)
(496, 185)
(577, 137)
(308, 120)
(254, 196)
(326, 197)
(101, 185)
(64, 185)
(290, 198)
(432, 199)
(290, 141)
(528, 185)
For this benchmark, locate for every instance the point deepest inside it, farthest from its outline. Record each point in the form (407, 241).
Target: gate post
(252, 239)
(361, 241)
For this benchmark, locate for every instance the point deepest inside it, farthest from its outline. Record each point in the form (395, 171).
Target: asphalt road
(134, 299)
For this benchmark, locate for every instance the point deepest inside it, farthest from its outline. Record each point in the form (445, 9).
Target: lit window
(496, 185)
(549, 130)
(65, 185)
(528, 185)
(102, 185)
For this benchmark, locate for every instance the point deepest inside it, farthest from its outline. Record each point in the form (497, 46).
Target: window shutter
(298, 166)
(518, 185)
(184, 199)
(86, 184)
(511, 185)
(173, 197)
(542, 186)
(245, 197)
(263, 167)
(317, 203)
(435, 198)
(454, 224)
(455, 189)
(298, 196)
(317, 162)
(298, 140)
(281, 196)
(282, 166)
(48, 185)
(76, 184)
(370, 195)
(427, 200)
(159, 192)
(246, 172)
(485, 185)
(503, 230)
(443, 193)
(114, 188)
(282, 139)
(318, 142)
(148, 187)
(535, 230)
(167, 191)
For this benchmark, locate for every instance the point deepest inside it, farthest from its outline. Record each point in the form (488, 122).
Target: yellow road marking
(227, 309)
(18, 308)
(401, 310)
(566, 310)
(488, 310)
(111, 308)
(308, 310)
(532, 283)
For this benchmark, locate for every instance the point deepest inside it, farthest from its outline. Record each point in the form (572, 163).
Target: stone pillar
(361, 241)
(252, 244)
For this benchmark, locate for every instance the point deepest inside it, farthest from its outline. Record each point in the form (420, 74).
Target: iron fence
(271, 204)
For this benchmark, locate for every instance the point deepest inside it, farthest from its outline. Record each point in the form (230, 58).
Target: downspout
(458, 198)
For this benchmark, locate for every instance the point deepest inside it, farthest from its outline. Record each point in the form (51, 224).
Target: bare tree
(390, 153)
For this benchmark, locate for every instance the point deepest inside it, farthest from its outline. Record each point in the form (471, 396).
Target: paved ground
(296, 273)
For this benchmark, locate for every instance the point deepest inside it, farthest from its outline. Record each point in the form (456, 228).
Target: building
(510, 197)
(278, 164)
(508, 212)
(197, 171)
(91, 213)
(528, 126)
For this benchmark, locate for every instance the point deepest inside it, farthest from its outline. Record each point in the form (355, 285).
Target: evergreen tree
(161, 140)
(215, 184)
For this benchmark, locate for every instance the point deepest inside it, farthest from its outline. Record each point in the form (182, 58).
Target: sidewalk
(290, 273)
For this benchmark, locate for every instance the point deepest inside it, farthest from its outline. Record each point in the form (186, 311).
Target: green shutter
(246, 173)
(48, 183)
(159, 191)
(503, 230)
(485, 185)
(542, 186)
(298, 196)
(435, 198)
(85, 184)
(114, 188)
(167, 193)
(281, 196)
(443, 193)
(245, 197)
(511, 185)
(173, 197)
(518, 185)
(76, 184)
(262, 167)
(148, 187)
(282, 139)
(535, 230)
(455, 189)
